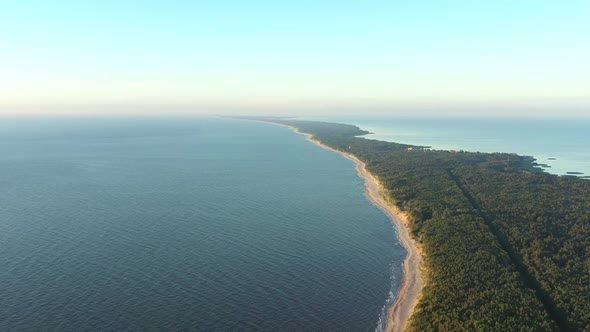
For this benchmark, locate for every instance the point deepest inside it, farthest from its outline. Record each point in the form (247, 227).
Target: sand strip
(411, 285)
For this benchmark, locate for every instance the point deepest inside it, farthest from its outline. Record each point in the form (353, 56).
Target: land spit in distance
(505, 246)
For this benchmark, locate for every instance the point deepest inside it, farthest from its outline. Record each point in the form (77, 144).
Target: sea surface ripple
(198, 224)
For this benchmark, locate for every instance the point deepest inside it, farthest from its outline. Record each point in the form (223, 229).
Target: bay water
(561, 144)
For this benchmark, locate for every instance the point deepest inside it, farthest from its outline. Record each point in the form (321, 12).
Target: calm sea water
(563, 144)
(185, 224)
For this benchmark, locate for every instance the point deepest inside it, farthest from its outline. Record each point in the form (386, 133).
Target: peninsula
(503, 246)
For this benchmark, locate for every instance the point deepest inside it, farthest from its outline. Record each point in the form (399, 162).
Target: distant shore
(411, 284)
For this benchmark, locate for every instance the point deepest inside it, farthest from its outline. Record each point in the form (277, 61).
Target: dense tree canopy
(507, 248)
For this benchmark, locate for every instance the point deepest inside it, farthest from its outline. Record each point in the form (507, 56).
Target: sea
(186, 224)
(561, 145)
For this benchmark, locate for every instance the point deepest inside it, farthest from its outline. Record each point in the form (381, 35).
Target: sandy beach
(411, 284)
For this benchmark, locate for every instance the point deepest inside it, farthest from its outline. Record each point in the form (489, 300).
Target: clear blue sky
(432, 57)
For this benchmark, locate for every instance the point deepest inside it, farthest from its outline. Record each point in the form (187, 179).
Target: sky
(428, 57)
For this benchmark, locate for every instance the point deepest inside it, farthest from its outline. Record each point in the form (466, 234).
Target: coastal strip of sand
(411, 284)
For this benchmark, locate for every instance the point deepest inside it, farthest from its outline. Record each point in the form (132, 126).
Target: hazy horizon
(311, 113)
(432, 58)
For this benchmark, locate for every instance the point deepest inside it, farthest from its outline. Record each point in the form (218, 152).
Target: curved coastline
(411, 285)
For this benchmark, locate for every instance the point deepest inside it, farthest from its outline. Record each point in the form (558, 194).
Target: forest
(506, 246)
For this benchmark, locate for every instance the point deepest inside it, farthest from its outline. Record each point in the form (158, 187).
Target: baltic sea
(202, 224)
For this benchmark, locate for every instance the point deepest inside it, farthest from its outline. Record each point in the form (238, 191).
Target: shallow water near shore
(185, 224)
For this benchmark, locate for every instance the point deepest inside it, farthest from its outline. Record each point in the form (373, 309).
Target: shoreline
(411, 285)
